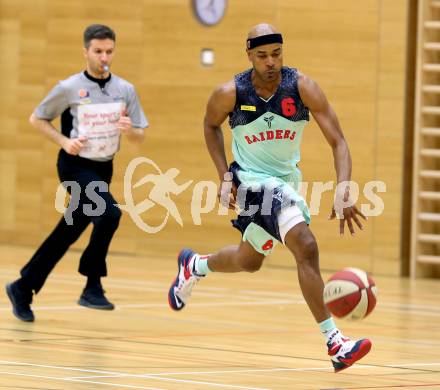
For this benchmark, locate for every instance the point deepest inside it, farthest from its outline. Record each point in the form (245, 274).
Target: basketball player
(96, 107)
(268, 108)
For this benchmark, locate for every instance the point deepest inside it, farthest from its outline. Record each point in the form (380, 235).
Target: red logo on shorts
(268, 245)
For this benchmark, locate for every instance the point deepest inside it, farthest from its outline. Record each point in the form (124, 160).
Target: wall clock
(209, 12)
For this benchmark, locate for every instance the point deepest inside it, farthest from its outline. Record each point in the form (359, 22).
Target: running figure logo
(164, 185)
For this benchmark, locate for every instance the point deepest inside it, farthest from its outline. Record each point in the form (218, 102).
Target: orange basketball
(350, 294)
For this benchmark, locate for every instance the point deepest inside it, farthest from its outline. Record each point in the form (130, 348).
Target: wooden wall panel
(355, 51)
(9, 43)
(390, 134)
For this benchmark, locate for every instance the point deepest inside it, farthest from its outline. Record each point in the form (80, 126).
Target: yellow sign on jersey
(248, 108)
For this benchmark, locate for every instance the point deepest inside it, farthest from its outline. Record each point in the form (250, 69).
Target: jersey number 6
(288, 106)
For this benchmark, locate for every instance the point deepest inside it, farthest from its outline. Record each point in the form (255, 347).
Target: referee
(96, 107)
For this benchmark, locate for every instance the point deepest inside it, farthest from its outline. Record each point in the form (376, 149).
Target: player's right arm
(220, 104)
(71, 146)
(51, 107)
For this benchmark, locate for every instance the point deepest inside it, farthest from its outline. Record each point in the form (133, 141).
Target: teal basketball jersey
(267, 133)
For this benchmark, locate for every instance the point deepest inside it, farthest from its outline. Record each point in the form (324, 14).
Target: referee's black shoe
(21, 302)
(94, 298)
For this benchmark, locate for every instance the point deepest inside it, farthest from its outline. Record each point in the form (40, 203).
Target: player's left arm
(133, 134)
(313, 97)
(132, 122)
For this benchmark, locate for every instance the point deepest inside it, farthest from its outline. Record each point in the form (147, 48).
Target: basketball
(350, 294)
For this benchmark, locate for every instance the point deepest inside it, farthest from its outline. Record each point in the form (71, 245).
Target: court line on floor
(147, 305)
(160, 376)
(245, 371)
(303, 369)
(79, 381)
(386, 387)
(67, 379)
(414, 364)
(230, 303)
(117, 375)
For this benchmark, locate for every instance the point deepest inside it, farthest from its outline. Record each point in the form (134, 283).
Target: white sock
(334, 336)
(200, 265)
(329, 330)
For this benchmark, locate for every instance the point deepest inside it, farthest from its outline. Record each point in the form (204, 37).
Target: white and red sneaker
(344, 352)
(181, 288)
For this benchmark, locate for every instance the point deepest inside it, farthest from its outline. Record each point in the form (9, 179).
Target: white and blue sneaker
(187, 278)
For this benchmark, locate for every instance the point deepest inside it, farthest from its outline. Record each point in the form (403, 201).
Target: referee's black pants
(92, 262)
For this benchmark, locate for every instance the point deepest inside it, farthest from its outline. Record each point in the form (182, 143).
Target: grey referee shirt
(65, 98)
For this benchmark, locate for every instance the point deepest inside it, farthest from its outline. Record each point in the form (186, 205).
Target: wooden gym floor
(241, 331)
